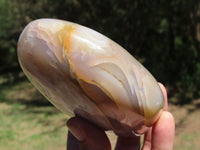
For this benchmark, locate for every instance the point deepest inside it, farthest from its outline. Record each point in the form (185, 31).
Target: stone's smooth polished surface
(83, 72)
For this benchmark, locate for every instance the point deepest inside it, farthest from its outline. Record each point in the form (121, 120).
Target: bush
(163, 35)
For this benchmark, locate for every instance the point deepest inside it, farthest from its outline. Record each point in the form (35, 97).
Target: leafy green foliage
(163, 35)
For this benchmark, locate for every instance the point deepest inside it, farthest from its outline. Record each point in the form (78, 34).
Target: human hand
(83, 135)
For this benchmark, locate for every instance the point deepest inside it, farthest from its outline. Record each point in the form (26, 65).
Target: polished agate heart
(83, 72)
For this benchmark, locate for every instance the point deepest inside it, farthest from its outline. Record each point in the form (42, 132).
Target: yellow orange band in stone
(66, 44)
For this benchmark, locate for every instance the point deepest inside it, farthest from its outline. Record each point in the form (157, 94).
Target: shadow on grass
(24, 106)
(9, 81)
(36, 102)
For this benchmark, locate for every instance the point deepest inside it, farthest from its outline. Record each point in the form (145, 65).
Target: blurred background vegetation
(163, 35)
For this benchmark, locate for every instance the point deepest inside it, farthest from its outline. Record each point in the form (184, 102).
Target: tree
(163, 35)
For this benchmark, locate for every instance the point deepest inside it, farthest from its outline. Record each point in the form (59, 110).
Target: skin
(83, 135)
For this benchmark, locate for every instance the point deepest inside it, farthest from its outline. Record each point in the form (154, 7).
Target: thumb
(163, 132)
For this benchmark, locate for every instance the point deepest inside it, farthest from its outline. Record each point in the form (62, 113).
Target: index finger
(165, 96)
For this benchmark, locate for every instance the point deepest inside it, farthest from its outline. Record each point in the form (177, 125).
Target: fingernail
(76, 131)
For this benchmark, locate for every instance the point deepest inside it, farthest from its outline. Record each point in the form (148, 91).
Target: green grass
(27, 121)
(187, 141)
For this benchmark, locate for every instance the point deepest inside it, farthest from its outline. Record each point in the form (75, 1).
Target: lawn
(29, 122)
